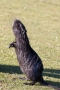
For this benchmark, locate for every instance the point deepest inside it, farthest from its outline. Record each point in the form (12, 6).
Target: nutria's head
(18, 28)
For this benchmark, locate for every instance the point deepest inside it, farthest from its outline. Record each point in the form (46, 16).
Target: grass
(42, 21)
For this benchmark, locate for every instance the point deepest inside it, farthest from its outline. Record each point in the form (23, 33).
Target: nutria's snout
(16, 24)
(18, 28)
(16, 21)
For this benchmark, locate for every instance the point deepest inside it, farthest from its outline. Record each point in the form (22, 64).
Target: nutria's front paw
(11, 45)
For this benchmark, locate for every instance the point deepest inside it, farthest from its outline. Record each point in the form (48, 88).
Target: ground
(42, 21)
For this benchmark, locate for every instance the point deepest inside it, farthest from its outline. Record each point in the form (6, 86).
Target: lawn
(42, 21)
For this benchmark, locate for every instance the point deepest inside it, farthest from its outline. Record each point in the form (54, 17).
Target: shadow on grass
(10, 69)
(47, 72)
(54, 74)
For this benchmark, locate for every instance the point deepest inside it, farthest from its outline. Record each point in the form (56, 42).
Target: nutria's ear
(23, 29)
(24, 32)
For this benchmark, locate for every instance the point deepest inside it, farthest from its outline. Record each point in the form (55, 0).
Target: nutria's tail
(49, 85)
(42, 81)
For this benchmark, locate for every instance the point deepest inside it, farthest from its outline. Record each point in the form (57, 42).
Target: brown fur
(30, 63)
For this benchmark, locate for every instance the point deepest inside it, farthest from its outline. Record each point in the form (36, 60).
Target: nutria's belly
(31, 66)
(32, 72)
(28, 72)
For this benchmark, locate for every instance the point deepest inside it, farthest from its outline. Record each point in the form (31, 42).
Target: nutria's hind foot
(32, 83)
(23, 78)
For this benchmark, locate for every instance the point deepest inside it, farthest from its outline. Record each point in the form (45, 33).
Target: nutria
(29, 61)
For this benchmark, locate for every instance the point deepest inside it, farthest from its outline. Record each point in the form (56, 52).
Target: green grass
(42, 21)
